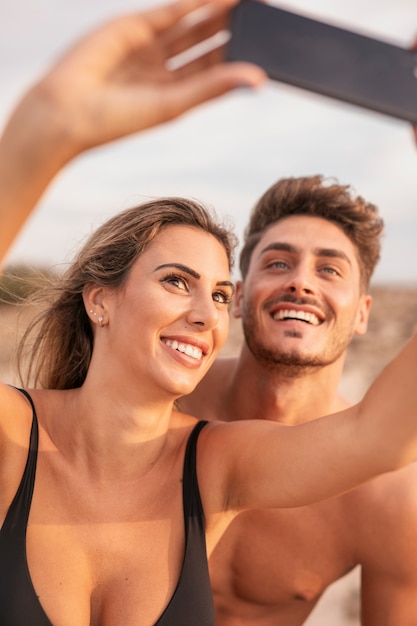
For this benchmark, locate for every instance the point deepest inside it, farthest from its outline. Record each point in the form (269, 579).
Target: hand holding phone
(326, 59)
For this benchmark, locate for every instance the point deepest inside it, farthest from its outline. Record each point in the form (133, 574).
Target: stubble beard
(292, 363)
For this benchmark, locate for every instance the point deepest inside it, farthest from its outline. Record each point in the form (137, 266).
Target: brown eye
(221, 297)
(176, 281)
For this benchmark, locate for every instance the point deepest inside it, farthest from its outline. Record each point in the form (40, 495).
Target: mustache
(289, 298)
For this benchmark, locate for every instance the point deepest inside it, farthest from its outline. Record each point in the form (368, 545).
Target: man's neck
(256, 392)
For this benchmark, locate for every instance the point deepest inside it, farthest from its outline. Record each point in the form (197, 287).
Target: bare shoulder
(226, 446)
(16, 417)
(207, 397)
(389, 494)
(385, 513)
(219, 375)
(385, 543)
(15, 424)
(15, 410)
(217, 443)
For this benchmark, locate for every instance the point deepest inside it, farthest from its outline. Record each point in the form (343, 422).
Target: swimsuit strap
(18, 513)
(193, 507)
(192, 601)
(19, 604)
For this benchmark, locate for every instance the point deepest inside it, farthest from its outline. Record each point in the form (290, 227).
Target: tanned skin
(271, 567)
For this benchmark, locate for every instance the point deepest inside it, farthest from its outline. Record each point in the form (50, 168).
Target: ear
(95, 304)
(238, 300)
(362, 315)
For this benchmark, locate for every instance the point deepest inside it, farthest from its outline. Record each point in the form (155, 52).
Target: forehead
(188, 245)
(307, 234)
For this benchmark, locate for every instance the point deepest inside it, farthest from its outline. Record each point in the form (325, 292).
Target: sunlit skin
(105, 537)
(113, 82)
(123, 443)
(290, 364)
(178, 290)
(308, 266)
(272, 566)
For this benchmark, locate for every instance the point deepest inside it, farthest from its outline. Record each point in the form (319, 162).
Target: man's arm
(112, 83)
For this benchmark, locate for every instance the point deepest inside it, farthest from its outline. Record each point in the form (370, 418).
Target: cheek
(267, 286)
(253, 293)
(135, 321)
(344, 301)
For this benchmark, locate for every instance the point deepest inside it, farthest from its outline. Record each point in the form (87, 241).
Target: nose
(204, 313)
(300, 281)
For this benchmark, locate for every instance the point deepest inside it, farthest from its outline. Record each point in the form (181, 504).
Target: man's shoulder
(218, 376)
(385, 526)
(380, 492)
(223, 365)
(206, 399)
(385, 506)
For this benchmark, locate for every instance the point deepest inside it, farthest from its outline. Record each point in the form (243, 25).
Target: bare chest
(279, 562)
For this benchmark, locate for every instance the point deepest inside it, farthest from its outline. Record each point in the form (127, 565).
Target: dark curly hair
(312, 195)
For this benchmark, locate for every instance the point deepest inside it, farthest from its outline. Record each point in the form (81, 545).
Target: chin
(181, 388)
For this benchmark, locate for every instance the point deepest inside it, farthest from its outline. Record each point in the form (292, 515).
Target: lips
(292, 314)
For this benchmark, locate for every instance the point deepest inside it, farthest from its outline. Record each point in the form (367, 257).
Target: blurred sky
(225, 153)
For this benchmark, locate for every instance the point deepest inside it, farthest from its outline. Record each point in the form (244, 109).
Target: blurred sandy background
(393, 319)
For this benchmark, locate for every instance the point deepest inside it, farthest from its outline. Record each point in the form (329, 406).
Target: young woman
(110, 499)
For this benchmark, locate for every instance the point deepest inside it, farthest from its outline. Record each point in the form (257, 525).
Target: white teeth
(186, 348)
(310, 318)
(193, 351)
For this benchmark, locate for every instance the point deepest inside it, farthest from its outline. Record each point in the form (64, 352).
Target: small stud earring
(93, 312)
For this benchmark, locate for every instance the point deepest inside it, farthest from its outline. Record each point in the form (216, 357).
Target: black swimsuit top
(192, 601)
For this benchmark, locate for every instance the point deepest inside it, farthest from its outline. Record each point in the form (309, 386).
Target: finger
(141, 107)
(178, 97)
(194, 64)
(167, 16)
(109, 45)
(190, 33)
(188, 65)
(205, 54)
(212, 83)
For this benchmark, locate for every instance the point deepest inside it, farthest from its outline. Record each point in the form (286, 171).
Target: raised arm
(270, 465)
(112, 83)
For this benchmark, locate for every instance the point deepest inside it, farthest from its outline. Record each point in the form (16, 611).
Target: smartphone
(326, 59)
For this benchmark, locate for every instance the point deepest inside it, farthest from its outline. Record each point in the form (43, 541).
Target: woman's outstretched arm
(272, 465)
(114, 82)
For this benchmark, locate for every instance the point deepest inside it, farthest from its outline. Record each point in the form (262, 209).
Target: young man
(310, 249)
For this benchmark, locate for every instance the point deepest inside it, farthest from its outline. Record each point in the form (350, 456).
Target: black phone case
(326, 59)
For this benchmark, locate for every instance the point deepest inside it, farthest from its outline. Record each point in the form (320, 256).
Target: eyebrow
(319, 252)
(333, 253)
(193, 273)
